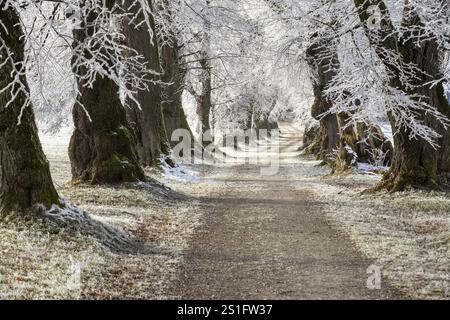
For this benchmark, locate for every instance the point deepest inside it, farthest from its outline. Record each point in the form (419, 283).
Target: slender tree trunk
(25, 179)
(204, 100)
(174, 77)
(148, 123)
(102, 149)
(415, 163)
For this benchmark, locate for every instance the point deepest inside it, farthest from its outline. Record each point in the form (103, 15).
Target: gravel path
(265, 237)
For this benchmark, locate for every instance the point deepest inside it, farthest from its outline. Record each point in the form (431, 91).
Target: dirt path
(265, 237)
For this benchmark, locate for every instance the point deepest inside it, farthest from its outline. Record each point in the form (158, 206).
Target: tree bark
(25, 179)
(102, 148)
(148, 123)
(174, 77)
(348, 144)
(415, 163)
(323, 72)
(204, 100)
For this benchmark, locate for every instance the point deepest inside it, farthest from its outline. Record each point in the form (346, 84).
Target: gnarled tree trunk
(415, 163)
(174, 115)
(25, 179)
(172, 92)
(102, 148)
(148, 123)
(321, 67)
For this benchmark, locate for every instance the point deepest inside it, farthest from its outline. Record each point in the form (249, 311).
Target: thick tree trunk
(25, 179)
(428, 57)
(174, 115)
(335, 132)
(148, 123)
(102, 148)
(174, 77)
(415, 163)
(323, 72)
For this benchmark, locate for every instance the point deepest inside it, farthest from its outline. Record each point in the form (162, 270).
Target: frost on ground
(408, 233)
(179, 173)
(134, 237)
(128, 245)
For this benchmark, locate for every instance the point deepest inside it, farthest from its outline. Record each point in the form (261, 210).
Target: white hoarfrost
(179, 173)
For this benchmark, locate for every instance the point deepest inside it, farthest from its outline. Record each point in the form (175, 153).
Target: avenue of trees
(140, 69)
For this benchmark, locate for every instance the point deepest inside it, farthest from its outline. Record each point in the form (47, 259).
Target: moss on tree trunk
(102, 148)
(25, 179)
(414, 163)
(348, 144)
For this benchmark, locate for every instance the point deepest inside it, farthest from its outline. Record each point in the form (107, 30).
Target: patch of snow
(179, 173)
(447, 91)
(352, 153)
(66, 211)
(369, 168)
(387, 131)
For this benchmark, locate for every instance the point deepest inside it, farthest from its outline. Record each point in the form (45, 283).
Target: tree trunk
(321, 67)
(204, 102)
(359, 142)
(415, 163)
(348, 144)
(25, 179)
(174, 115)
(261, 120)
(174, 77)
(102, 149)
(148, 123)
